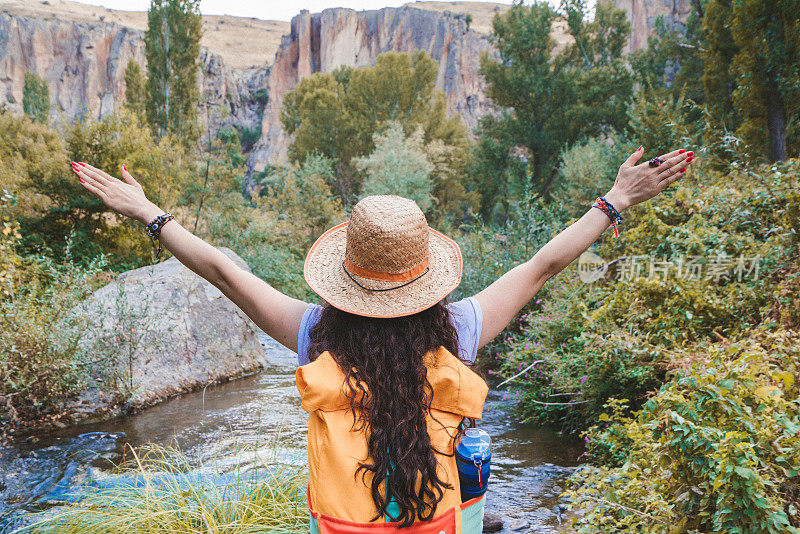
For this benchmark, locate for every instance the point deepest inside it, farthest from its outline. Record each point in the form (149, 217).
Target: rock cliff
(84, 65)
(321, 42)
(642, 15)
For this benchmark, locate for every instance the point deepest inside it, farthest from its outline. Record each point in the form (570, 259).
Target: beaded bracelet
(154, 229)
(605, 206)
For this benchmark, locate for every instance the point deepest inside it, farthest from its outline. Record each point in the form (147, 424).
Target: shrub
(42, 365)
(248, 137)
(36, 97)
(614, 338)
(717, 450)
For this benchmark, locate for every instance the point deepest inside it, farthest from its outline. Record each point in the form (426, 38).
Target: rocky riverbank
(150, 334)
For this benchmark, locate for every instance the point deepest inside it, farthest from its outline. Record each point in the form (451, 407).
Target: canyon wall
(84, 65)
(642, 15)
(321, 42)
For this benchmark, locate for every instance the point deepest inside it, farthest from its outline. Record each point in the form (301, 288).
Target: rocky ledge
(158, 331)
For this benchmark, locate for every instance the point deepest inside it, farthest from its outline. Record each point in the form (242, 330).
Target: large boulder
(161, 330)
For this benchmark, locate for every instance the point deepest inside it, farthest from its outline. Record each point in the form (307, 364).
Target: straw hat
(384, 262)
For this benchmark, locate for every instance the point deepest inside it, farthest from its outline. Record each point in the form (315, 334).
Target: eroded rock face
(84, 65)
(168, 331)
(321, 42)
(642, 15)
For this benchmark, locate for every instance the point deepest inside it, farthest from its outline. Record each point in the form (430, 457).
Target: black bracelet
(154, 229)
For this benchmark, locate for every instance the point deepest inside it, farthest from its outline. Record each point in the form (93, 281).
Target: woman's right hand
(638, 183)
(125, 197)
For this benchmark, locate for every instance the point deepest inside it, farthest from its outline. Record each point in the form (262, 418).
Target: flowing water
(529, 464)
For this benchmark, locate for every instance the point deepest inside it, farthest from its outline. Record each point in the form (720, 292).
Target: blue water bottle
(473, 459)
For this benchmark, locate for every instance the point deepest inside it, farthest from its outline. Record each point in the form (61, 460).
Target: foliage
(172, 44)
(160, 166)
(304, 204)
(674, 57)
(550, 99)
(29, 153)
(159, 492)
(398, 166)
(36, 97)
(614, 338)
(41, 366)
(221, 172)
(718, 80)
(337, 114)
(766, 68)
(717, 450)
(292, 207)
(248, 137)
(661, 121)
(136, 91)
(588, 169)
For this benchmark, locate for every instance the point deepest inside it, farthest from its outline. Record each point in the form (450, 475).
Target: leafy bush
(52, 202)
(717, 450)
(398, 166)
(584, 343)
(248, 137)
(42, 365)
(36, 97)
(588, 169)
(293, 206)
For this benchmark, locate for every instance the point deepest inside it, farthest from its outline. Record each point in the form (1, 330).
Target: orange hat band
(382, 276)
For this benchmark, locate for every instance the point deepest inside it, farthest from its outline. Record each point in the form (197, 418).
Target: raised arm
(277, 314)
(503, 299)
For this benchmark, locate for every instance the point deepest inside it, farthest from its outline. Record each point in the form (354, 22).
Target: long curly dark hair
(385, 358)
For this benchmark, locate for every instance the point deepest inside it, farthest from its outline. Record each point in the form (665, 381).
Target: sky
(262, 9)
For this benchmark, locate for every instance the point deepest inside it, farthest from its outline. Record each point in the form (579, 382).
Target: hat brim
(324, 272)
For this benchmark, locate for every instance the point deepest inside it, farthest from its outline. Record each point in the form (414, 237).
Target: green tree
(398, 166)
(717, 78)
(767, 73)
(135, 90)
(674, 56)
(36, 97)
(550, 99)
(337, 114)
(221, 172)
(172, 44)
(302, 203)
(161, 167)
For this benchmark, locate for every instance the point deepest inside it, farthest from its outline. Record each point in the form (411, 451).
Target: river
(529, 464)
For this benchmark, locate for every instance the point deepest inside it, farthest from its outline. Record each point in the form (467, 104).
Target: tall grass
(157, 491)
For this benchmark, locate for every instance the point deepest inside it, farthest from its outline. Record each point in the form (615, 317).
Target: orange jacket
(335, 449)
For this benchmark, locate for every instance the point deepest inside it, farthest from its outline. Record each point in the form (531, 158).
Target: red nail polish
(82, 164)
(682, 170)
(638, 149)
(690, 154)
(124, 168)
(84, 181)
(681, 151)
(690, 158)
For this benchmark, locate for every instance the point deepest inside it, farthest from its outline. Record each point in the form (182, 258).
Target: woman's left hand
(637, 183)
